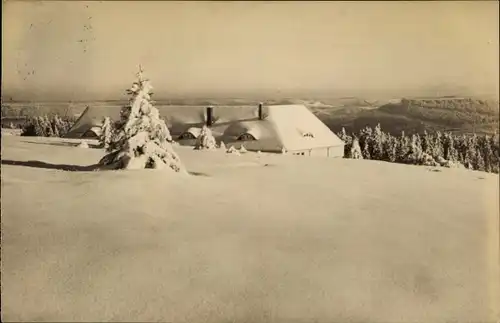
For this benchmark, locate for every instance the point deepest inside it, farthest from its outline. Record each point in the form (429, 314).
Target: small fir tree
(105, 135)
(402, 148)
(40, 127)
(205, 140)
(48, 126)
(377, 141)
(355, 151)
(142, 139)
(55, 128)
(390, 149)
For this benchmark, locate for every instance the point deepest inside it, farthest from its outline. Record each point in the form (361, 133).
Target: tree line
(44, 126)
(475, 152)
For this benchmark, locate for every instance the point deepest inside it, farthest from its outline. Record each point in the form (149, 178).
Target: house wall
(337, 151)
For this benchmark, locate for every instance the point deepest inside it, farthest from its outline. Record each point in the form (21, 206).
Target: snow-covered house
(272, 128)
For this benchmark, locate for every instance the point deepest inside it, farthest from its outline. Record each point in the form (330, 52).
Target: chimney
(210, 111)
(260, 111)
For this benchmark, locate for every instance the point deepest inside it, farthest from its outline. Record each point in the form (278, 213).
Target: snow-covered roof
(291, 126)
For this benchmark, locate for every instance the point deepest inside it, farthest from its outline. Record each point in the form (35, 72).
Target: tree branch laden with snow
(141, 139)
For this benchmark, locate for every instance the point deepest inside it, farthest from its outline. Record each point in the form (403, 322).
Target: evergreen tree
(55, 128)
(366, 150)
(40, 127)
(487, 153)
(390, 149)
(48, 126)
(449, 151)
(470, 153)
(437, 148)
(143, 139)
(402, 148)
(364, 142)
(461, 143)
(342, 135)
(415, 151)
(205, 140)
(105, 135)
(478, 163)
(378, 143)
(347, 141)
(355, 151)
(426, 143)
(494, 145)
(59, 126)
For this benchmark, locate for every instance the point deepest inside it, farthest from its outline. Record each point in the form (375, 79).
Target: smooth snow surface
(251, 239)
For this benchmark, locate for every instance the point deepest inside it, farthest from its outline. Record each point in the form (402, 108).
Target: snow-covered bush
(83, 144)
(233, 151)
(205, 140)
(243, 149)
(141, 139)
(222, 145)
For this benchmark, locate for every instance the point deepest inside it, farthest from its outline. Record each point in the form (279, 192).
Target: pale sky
(87, 49)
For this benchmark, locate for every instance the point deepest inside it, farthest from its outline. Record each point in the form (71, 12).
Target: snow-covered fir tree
(402, 148)
(55, 126)
(366, 149)
(377, 142)
(142, 139)
(39, 126)
(105, 135)
(205, 140)
(389, 147)
(415, 153)
(222, 145)
(355, 152)
(48, 126)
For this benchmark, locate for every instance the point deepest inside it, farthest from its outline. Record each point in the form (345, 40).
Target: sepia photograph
(250, 161)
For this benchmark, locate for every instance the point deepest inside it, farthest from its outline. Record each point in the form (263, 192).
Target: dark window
(187, 135)
(246, 137)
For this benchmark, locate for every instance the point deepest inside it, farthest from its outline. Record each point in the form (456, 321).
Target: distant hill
(464, 115)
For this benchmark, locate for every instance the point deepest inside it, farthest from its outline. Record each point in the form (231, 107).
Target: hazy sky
(84, 49)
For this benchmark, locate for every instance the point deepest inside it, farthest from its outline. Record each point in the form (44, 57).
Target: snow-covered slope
(250, 238)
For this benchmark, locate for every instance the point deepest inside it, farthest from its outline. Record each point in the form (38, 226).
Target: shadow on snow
(69, 168)
(63, 144)
(41, 164)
